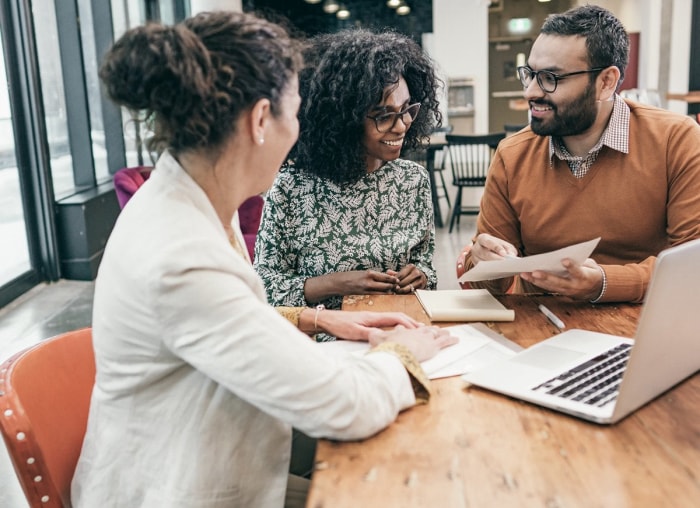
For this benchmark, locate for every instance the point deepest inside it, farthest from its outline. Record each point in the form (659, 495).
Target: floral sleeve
(422, 254)
(275, 257)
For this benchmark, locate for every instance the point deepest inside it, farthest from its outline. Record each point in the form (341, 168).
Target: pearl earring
(261, 140)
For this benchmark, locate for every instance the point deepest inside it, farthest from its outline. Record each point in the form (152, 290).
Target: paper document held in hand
(546, 262)
(463, 305)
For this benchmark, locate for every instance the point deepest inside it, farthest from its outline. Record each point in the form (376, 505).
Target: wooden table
(472, 448)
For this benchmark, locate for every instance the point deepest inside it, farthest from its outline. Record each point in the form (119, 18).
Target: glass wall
(90, 61)
(127, 14)
(14, 255)
(53, 95)
(61, 140)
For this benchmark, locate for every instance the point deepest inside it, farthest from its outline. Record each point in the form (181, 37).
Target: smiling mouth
(540, 107)
(397, 142)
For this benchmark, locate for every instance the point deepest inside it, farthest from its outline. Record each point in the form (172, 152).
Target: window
(54, 97)
(14, 256)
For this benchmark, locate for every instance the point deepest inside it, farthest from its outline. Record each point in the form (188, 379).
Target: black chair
(470, 158)
(437, 162)
(432, 158)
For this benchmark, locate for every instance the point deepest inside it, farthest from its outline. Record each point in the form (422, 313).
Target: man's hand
(487, 247)
(582, 282)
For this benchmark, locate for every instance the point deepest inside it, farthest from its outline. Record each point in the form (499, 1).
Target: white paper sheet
(548, 262)
(477, 347)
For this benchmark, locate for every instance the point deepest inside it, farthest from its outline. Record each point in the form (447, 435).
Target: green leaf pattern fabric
(312, 226)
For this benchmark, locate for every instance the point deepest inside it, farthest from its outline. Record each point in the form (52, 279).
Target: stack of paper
(463, 305)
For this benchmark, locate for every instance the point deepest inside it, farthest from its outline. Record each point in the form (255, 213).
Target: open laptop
(576, 372)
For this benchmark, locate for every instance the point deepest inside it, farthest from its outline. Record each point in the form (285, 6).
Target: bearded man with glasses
(590, 164)
(348, 215)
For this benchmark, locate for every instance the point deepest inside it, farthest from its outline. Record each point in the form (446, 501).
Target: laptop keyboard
(595, 382)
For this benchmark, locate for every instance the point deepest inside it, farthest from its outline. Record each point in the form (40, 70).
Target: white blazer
(199, 380)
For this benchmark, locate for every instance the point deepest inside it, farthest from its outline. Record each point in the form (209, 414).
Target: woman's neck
(374, 164)
(217, 177)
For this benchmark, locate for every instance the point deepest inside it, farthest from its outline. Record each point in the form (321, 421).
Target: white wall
(213, 5)
(680, 52)
(645, 17)
(459, 44)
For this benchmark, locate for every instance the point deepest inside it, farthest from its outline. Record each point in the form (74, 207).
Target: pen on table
(552, 317)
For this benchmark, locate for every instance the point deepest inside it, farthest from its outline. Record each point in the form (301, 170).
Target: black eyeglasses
(547, 79)
(386, 121)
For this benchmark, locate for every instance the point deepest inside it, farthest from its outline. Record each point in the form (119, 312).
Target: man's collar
(615, 135)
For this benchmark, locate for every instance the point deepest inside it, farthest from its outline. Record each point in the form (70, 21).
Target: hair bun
(152, 65)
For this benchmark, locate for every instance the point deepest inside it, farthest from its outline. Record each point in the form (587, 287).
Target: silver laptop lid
(667, 342)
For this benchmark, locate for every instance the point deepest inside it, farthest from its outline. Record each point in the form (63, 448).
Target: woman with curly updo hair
(347, 215)
(199, 381)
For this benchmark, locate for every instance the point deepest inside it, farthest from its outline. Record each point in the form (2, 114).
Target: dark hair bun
(151, 63)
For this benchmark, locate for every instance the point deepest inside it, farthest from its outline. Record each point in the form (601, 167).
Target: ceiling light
(330, 6)
(312, 1)
(403, 9)
(343, 13)
(393, 3)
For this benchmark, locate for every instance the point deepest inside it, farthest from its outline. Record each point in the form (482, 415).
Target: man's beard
(578, 117)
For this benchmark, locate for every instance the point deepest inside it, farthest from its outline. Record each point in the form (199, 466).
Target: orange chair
(45, 395)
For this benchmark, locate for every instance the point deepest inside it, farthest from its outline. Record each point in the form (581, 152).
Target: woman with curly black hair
(347, 215)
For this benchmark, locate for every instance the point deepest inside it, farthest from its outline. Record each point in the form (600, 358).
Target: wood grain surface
(472, 448)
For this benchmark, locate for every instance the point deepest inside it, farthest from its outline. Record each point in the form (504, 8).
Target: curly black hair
(345, 76)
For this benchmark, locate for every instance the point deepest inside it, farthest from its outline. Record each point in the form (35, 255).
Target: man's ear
(609, 81)
(260, 115)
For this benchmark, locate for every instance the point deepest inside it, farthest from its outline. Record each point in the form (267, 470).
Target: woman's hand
(356, 282)
(360, 325)
(410, 278)
(424, 342)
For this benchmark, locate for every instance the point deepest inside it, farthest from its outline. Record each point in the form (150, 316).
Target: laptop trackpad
(547, 357)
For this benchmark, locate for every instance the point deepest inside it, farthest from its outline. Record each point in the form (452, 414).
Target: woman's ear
(610, 78)
(260, 116)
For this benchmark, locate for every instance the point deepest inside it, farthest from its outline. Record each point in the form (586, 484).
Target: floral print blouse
(312, 226)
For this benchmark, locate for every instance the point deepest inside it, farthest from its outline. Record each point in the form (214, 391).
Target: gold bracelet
(319, 308)
(291, 314)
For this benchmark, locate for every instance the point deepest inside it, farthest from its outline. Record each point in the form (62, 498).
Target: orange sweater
(638, 203)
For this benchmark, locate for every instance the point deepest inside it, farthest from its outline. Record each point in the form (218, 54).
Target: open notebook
(463, 305)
